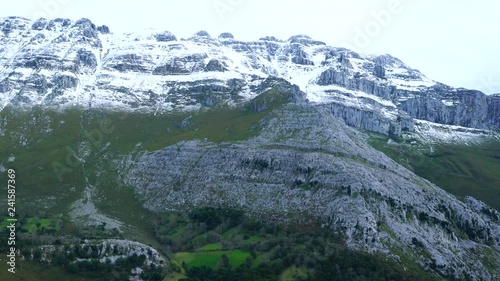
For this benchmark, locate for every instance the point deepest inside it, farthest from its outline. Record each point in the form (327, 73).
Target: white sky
(454, 42)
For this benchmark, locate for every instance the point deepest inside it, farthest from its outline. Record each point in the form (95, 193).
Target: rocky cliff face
(455, 107)
(64, 63)
(493, 109)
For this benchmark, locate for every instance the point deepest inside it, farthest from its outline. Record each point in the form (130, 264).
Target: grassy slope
(101, 137)
(459, 169)
(39, 138)
(211, 258)
(33, 163)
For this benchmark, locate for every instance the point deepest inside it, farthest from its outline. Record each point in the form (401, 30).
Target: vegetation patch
(294, 273)
(463, 170)
(34, 225)
(211, 247)
(228, 245)
(211, 259)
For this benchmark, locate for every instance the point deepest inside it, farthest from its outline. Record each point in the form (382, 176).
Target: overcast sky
(455, 42)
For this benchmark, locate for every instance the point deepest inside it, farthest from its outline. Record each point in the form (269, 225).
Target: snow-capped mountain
(61, 63)
(278, 148)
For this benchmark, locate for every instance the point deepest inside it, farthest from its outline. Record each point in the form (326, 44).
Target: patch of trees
(319, 253)
(342, 265)
(245, 272)
(213, 217)
(345, 264)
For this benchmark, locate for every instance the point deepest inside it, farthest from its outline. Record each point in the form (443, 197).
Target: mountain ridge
(64, 63)
(268, 126)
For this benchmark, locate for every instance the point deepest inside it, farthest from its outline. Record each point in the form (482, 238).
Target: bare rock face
(493, 102)
(104, 29)
(379, 71)
(215, 65)
(86, 58)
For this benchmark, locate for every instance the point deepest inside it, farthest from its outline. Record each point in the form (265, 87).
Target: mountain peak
(226, 35)
(304, 39)
(165, 36)
(202, 33)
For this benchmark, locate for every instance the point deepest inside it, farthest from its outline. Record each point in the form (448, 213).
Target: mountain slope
(308, 165)
(294, 165)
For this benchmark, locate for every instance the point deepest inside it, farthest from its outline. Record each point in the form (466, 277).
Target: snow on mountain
(430, 132)
(60, 63)
(304, 161)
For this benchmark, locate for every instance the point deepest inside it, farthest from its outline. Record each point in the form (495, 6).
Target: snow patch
(430, 132)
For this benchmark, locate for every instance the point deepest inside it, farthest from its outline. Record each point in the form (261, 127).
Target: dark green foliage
(94, 268)
(491, 213)
(260, 164)
(423, 217)
(154, 273)
(273, 250)
(417, 243)
(342, 264)
(351, 265)
(213, 217)
(263, 272)
(37, 254)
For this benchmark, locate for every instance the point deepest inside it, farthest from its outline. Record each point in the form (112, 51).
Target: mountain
(277, 128)
(63, 63)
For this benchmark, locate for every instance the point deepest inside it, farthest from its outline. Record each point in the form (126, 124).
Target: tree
(37, 254)
(224, 262)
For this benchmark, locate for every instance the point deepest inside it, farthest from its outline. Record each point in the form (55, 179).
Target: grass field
(33, 224)
(462, 170)
(211, 258)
